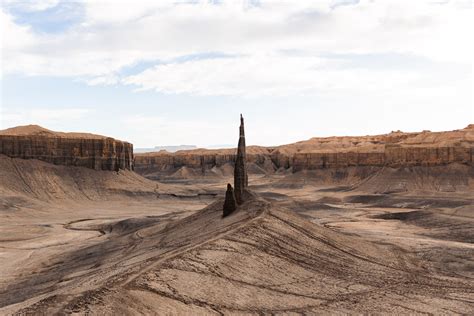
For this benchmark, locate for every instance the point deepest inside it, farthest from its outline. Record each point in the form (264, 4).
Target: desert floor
(410, 252)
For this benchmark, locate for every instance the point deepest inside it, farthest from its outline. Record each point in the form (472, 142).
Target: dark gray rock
(240, 171)
(230, 204)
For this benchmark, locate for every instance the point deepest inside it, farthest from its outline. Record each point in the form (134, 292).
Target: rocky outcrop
(68, 149)
(230, 204)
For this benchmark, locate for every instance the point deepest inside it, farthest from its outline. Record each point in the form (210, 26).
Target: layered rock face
(311, 161)
(69, 149)
(393, 156)
(201, 160)
(394, 149)
(427, 156)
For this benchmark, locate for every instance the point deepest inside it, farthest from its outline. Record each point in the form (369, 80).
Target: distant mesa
(70, 149)
(170, 149)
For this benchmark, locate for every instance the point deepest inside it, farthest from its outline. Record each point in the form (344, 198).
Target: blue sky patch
(56, 19)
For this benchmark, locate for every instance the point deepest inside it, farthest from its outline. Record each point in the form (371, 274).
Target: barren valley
(376, 224)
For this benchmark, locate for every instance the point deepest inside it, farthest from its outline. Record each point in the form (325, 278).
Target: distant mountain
(170, 149)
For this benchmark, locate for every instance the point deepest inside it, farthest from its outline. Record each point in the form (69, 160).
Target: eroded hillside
(396, 149)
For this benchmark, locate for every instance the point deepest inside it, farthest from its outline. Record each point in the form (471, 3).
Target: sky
(159, 73)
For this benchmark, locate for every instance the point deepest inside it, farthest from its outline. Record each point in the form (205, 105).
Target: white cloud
(43, 116)
(14, 38)
(103, 80)
(270, 75)
(116, 34)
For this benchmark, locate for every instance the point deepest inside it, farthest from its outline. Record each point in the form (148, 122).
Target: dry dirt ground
(89, 242)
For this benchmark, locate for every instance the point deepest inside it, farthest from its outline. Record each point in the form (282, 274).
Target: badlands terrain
(373, 224)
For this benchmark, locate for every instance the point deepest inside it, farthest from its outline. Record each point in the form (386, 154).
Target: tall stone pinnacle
(240, 171)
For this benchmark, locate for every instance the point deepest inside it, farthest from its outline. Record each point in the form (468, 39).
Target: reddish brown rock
(394, 149)
(311, 161)
(427, 156)
(392, 156)
(69, 149)
(202, 160)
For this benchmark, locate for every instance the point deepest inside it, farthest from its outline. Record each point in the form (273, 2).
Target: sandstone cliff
(69, 149)
(394, 149)
(201, 160)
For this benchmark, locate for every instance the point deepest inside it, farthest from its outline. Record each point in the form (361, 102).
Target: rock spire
(229, 204)
(240, 170)
(234, 197)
